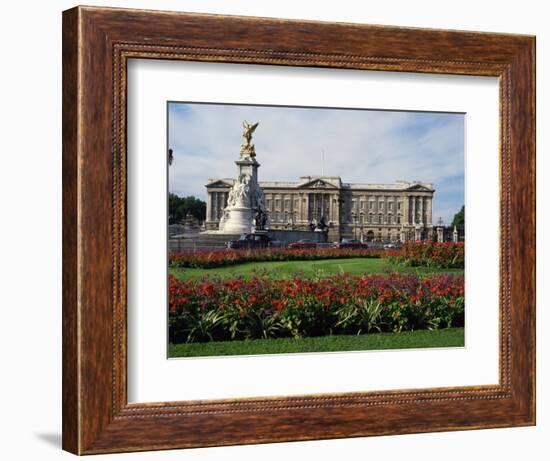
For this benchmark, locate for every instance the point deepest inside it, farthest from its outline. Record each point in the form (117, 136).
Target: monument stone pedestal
(245, 203)
(439, 234)
(244, 199)
(239, 221)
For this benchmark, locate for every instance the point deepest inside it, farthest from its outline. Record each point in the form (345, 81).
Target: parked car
(351, 244)
(250, 241)
(392, 246)
(302, 244)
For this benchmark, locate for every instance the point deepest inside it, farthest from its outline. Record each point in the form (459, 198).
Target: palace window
(399, 205)
(398, 219)
(276, 216)
(380, 219)
(277, 203)
(287, 204)
(390, 219)
(390, 206)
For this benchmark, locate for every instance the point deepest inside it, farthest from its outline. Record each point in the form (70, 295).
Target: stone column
(220, 204)
(209, 206)
(425, 208)
(214, 206)
(314, 213)
(405, 210)
(413, 210)
(337, 209)
(421, 209)
(429, 211)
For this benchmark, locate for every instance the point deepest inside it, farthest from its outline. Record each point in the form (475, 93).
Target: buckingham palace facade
(401, 211)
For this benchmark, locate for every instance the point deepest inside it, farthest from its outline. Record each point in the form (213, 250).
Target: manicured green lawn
(451, 337)
(323, 267)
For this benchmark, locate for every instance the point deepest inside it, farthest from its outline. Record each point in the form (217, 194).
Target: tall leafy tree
(179, 207)
(458, 220)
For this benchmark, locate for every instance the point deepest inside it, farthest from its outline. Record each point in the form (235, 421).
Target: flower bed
(442, 255)
(220, 258)
(261, 307)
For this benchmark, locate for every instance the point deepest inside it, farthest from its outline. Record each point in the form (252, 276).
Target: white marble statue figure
(231, 198)
(225, 215)
(239, 195)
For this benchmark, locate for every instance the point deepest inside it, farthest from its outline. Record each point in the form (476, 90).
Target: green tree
(179, 207)
(458, 220)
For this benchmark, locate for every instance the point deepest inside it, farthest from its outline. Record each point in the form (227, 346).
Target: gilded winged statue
(249, 128)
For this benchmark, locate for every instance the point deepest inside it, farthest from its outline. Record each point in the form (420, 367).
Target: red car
(302, 245)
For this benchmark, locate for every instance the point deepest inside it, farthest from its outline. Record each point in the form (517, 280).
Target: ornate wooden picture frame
(97, 44)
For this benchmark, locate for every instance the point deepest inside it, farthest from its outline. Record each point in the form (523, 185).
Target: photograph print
(313, 229)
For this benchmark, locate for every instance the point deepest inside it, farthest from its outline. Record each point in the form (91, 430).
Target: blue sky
(371, 146)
